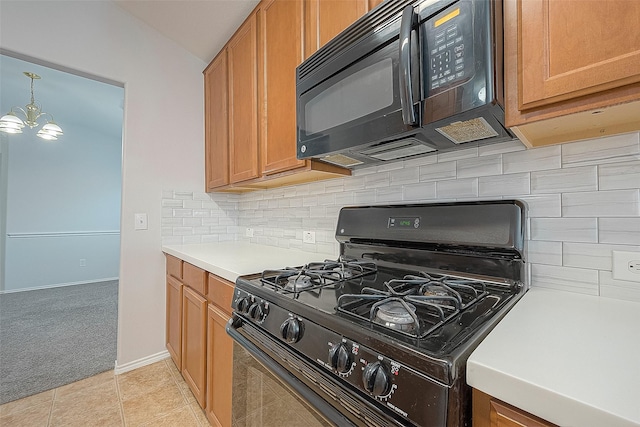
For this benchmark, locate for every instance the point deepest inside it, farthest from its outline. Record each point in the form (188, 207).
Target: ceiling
(202, 27)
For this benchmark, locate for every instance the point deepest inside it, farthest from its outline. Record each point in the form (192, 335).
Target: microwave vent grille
(342, 160)
(467, 131)
(377, 19)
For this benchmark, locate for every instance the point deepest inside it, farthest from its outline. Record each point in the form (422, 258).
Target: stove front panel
(377, 378)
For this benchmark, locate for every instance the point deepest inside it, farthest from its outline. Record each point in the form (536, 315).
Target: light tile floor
(154, 395)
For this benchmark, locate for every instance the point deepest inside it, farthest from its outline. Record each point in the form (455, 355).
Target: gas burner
(394, 313)
(299, 282)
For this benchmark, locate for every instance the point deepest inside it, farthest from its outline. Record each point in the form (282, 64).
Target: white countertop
(571, 359)
(232, 259)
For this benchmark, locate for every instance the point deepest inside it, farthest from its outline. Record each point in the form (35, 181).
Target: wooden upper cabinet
(325, 19)
(280, 52)
(243, 103)
(572, 69)
(216, 126)
(575, 48)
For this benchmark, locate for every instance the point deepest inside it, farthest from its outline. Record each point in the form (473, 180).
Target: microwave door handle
(406, 90)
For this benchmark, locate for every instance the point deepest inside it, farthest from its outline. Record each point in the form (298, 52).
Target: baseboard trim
(59, 285)
(121, 369)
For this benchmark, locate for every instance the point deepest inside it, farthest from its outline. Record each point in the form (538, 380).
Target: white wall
(163, 86)
(63, 205)
(583, 200)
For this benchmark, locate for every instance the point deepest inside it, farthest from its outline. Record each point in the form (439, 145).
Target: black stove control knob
(292, 330)
(243, 304)
(258, 311)
(376, 379)
(340, 358)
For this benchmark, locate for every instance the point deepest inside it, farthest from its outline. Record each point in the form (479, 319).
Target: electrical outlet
(626, 266)
(83, 262)
(248, 232)
(308, 236)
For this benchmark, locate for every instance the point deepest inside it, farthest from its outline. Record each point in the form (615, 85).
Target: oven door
(353, 98)
(309, 386)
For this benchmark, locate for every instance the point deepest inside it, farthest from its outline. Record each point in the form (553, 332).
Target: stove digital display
(413, 222)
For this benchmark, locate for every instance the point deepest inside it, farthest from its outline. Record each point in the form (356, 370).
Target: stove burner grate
(316, 275)
(414, 305)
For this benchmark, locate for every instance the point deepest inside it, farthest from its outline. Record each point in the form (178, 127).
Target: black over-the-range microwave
(405, 80)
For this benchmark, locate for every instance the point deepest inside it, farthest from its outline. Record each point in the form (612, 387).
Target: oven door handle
(406, 87)
(326, 409)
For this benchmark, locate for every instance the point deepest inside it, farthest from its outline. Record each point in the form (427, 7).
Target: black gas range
(381, 335)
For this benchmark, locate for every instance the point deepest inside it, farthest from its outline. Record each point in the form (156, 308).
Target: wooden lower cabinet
(194, 343)
(491, 412)
(219, 368)
(174, 319)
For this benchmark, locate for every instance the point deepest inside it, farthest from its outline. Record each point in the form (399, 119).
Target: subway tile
(565, 278)
(344, 198)
(310, 201)
(192, 204)
(405, 176)
(191, 222)
(171, 203)
(438, 171)
(183, 195)
(623, 231)
(542, 252)
(504, 185)
(565, 229)
(618, 176)
(543, 205)
(457, 188)
(479, 166)
(202, 213)
(619, 289)
(166, 231)
(354, 183)
(458, 154)
(615, 203)
(591, 255)
(379, 179)
(171, 221)
(501, 148)
(209, 221)
(172, 240)
(386, 167)
(182, 231)
(388, 195)
(535, 159)
(565, 180)
(181, 213)
(210, 238)
(201, 196)
(187, 240)
(327, 199)
(601, 150)
(420, 161)
(364, 197)
(419, 192)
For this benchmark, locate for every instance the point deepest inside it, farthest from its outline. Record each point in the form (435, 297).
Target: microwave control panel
(449, 43)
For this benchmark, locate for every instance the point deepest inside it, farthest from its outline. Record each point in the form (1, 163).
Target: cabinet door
(174, 320)
(243, 102)
(194, 343)
(219, 369)
(220, 293)
(325, 19)
(280, 52)
(491, 412)
(216, 125)
(575, 48)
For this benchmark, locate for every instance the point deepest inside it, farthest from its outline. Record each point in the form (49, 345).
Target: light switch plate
(140, 221)
(626, 266)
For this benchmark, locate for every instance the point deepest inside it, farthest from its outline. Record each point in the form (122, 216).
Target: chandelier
(11, 123)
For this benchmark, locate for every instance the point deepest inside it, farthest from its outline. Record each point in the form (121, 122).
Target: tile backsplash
(583, 202)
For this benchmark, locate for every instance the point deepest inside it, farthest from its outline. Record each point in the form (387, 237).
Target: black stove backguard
(381, 336)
